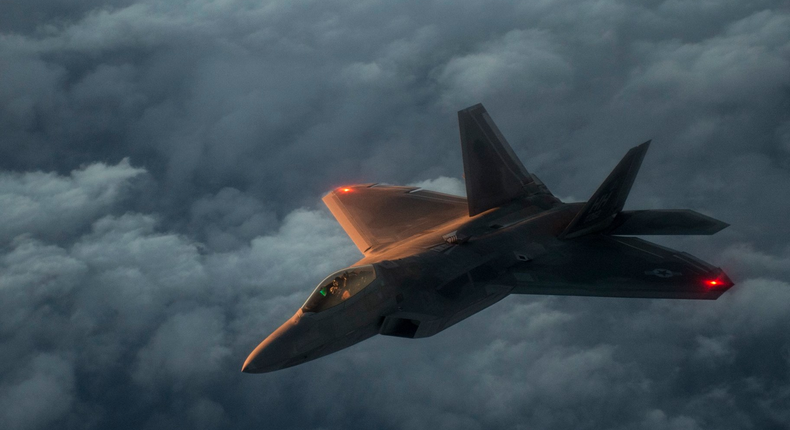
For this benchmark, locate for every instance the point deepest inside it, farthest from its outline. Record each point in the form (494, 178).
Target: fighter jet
(432, 260)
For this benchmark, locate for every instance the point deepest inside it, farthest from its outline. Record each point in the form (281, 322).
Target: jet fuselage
(430, 282)
(433, 259)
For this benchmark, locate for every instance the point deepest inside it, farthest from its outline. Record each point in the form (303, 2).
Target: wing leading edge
(375, 215)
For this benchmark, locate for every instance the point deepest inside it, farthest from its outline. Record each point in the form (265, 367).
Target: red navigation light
(713, 282)
(345, 190)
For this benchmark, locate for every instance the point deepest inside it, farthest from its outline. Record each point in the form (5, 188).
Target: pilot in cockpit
(340, 286)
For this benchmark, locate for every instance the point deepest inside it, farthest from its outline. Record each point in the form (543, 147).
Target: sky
(162, 164)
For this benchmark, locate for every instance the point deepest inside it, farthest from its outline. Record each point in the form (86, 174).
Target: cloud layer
(162, 166)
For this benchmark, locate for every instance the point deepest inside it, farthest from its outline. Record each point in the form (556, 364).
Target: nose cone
(276, 350)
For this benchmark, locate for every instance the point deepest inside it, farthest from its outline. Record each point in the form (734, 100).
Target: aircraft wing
(374, 215)
(617, 266)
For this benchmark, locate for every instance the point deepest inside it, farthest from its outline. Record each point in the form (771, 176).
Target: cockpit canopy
(339, 287)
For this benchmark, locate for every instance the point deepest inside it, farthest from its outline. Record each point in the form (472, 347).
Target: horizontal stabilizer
(599, 212)
(493, 173)
(665, 222)
(374, 215)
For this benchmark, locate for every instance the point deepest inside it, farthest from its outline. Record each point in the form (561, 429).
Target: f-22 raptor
(433, 259)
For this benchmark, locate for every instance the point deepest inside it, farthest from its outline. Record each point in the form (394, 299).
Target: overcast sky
(162, 163)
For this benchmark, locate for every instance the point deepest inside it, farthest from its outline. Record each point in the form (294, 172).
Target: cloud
(529, 62)
(443, 184)
(119, 300)
(213, 96)
(229, 219)
(746, 259)
(147, 312)
(162, 166)
(188, 348)
(44, 395)
(49, 206)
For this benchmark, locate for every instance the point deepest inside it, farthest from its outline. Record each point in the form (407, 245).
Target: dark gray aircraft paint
(432, 259)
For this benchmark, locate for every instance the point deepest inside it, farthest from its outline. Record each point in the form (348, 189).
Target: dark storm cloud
(131, 289)
(25, 16)
(114, 306)
(210, 96)
(229, 219)
(49, 206)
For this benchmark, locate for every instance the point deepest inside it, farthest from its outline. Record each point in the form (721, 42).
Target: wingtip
(346, 189)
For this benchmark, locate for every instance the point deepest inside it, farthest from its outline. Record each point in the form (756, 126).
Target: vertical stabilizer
(599, 212)
(494, 175)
